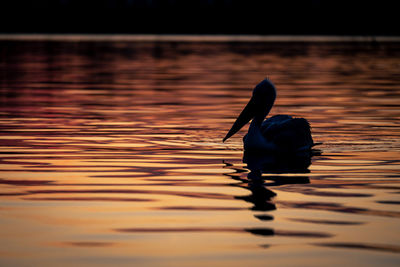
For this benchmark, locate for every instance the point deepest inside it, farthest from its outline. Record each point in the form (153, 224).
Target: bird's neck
(262, 113)
(257, 121)
(254, 139)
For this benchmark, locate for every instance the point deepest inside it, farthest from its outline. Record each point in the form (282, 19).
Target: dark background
(293, 17)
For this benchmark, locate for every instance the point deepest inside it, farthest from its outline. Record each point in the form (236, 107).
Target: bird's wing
(288, 133)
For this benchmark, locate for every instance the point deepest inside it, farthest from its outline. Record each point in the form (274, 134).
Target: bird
(279, 134)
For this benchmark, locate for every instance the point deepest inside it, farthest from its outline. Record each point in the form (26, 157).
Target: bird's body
(280, 134)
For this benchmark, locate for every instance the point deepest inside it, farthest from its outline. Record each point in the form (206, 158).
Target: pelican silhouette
(280, 134)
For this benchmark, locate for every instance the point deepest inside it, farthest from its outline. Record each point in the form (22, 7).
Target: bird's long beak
(245, 116)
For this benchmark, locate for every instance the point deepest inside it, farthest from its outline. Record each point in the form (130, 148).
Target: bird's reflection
(259, 163)
(262, 173)
(260, 195)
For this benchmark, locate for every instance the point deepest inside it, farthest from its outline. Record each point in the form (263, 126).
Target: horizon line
(193, 38)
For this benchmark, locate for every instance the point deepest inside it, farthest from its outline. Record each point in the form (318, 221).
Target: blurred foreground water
(112, 154)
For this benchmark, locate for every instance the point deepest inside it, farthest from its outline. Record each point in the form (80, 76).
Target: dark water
(111, 154)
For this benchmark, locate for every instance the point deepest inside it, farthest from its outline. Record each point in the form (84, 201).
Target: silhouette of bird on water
(279, 134)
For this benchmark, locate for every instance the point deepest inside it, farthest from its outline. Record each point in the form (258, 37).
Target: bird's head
(260, 104)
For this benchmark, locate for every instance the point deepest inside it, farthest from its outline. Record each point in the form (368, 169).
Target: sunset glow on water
(112, 154)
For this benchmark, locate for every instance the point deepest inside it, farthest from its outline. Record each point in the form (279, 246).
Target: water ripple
(112, 150)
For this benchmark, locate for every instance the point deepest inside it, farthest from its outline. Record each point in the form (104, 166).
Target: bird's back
(287, 133)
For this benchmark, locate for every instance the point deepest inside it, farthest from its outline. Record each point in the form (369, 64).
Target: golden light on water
(112, 153)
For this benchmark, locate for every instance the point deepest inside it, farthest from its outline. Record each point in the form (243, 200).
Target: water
(111, 154)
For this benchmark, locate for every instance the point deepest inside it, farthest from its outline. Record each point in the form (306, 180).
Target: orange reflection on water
(111, 153)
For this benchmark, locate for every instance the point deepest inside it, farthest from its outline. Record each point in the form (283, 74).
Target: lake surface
(112, 154)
